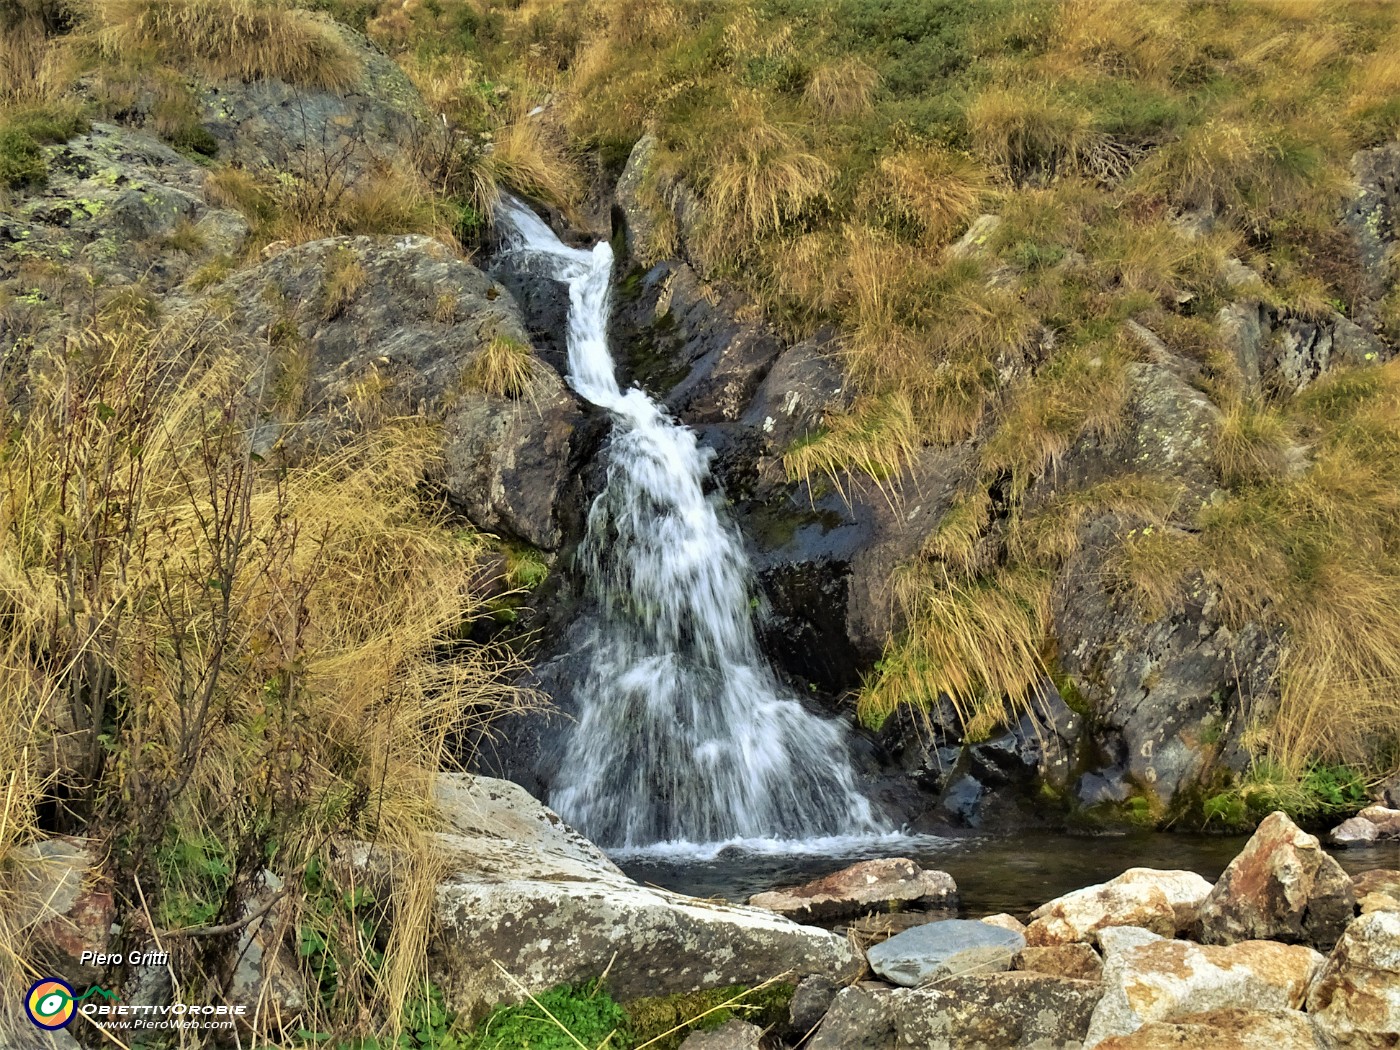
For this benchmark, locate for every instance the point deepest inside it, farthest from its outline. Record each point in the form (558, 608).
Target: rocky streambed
(1284, 948)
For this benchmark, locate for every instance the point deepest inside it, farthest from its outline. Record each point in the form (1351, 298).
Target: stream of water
(684, 734)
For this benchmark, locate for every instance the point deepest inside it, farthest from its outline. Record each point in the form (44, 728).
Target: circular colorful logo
(50, 1003)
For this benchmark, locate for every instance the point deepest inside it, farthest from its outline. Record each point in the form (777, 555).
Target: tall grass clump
(231, 39)
(219, 661)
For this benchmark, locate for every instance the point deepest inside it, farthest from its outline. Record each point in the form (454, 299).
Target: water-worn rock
(1165, 979)
(528, 893)
(1076, 960)
(1237, 1029)
(1005, 921)
(941, 949)
(1372, 824)
(1165, 902)
(401, 336)
(872, 885)
(732, 1035)
(1282, 886)
(1356, 1000)
(1377, 890)
(1000, 1010)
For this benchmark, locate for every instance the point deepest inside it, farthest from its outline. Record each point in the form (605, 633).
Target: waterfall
(684, 732)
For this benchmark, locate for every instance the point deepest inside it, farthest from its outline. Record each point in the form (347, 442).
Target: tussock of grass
(1252, 446)
(842, 89)
(503, 368)
(876, 438)
(232, 39)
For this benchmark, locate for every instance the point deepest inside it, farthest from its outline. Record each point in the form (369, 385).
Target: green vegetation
(1323, 793)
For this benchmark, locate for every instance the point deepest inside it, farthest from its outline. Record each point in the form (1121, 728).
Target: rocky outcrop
(1076, 960)
(1165, 902)
(872, 885)
(1165, 693)
(935, 950)
(1356, 1000)
(118, 209)
(379, 327)
(1162, 980)
(1282, 886)
(528, 904)
(1372, 213)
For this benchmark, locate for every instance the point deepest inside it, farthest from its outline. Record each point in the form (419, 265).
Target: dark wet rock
(681, 339)
(1165, 693)
(1282, 886)
(1106, 787)
(960, 802)
(873, 885)
(527, 896)
(404, 343)
(936, 950)
(543, 300)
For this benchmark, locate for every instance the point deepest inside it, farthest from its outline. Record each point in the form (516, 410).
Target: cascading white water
(684, 733)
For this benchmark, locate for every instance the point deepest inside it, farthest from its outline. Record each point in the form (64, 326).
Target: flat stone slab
(872, 885)
(944, 949)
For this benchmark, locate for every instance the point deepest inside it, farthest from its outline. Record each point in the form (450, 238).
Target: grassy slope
(839, 148)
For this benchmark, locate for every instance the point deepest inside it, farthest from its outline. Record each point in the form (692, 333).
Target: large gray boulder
(528, 903)
(1002, 1010)
(402, 335)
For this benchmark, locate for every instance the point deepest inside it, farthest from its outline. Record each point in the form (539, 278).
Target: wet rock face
(525, 891)
(1281, 886)
(1165, 693)
(404, 340)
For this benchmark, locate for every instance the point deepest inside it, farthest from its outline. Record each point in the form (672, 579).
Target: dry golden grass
(1252, 446)
(842, 89)
(977, 643)
(503, 368)
(927, 194)
(759, 177)
(527, 157)
(266, 641)
(1026, 130)
(232, 39)
(876, 438)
